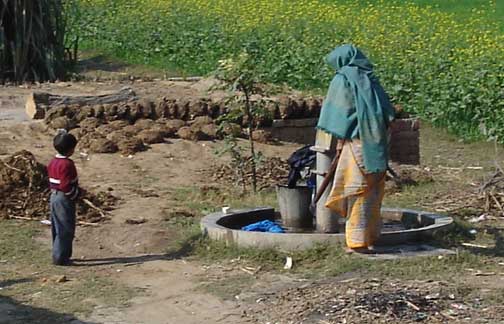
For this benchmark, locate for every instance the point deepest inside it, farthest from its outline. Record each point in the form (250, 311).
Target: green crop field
(465, 8)
(442, 60)
(462, 9)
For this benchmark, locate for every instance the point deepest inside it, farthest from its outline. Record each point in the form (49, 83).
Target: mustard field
(445, 67)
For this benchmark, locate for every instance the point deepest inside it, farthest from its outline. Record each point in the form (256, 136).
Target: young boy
(64, 185)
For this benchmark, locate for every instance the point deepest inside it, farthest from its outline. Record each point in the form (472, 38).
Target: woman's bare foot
(364, 250)
(355, 250)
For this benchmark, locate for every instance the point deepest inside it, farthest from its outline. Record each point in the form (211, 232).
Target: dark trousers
(63, 227)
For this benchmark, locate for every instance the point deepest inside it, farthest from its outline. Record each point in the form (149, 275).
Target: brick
(410, 124)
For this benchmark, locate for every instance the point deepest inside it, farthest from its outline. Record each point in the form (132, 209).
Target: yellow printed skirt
(357, 196)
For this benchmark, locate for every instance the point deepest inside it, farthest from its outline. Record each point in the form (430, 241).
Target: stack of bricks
(405, 141)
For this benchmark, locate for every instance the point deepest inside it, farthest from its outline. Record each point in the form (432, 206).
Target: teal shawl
(356, 106)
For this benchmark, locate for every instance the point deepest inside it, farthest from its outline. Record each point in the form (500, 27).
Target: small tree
(240, 75)
(238, 162)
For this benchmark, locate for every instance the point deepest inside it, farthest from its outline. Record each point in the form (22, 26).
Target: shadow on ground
(11, 282)
(185, 249)
(99, 63)
(14, 312)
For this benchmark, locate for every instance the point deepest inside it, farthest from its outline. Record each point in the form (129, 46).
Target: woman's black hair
(64, 143)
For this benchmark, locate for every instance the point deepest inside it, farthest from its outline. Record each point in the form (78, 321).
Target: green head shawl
(356, 106)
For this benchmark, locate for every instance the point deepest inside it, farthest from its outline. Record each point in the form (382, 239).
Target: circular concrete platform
(417, 226)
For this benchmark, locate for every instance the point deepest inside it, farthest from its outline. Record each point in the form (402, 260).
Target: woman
(357, 111)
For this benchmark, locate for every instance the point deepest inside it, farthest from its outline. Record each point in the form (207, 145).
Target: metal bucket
(294, 204)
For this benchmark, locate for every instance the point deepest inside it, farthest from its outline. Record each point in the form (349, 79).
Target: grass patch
(98, 65)
(28, 279)
(228, 287)
(17, 243)
(210, 199)
(213, 251)
(324, 260)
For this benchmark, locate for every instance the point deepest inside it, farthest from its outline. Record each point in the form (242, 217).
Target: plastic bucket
(294, 204)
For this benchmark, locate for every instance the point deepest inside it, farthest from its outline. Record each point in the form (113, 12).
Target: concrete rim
(214, 225)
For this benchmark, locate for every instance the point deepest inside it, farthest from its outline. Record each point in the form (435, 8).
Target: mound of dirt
(231, 129)
(58, 111)
(210, 131)
(408, 176)
(84, 112)
(202, 128)
(78, 133)
(102, 145)
(21, 170)
(201, 121)
(96, 143)
(151, 136)
(63, 123)
(105, 129)
(90, 124)
(96, 206)
(270, 172)
(142, 124)
(262, 136)
(163, 129)
(191, 118)
(117, 136)
(24, 192)
(131, 130)
(130, 146)
(188, 134)
(118, 124)
(175, 124)
(124, 140)
(286, 107)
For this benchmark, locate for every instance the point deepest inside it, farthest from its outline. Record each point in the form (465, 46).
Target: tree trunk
(38, 103)
(251, 140)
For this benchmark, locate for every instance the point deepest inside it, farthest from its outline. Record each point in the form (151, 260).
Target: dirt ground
(149, 260)
(135, 255)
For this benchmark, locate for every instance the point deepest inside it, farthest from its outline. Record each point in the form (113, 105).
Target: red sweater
(63, 176)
